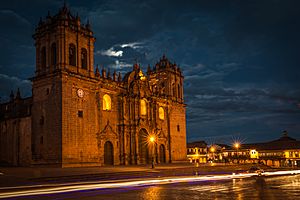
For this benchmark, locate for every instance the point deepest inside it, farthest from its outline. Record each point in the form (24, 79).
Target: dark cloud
(239, 58)
(8, 83)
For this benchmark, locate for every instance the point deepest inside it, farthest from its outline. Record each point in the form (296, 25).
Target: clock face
(80, 93)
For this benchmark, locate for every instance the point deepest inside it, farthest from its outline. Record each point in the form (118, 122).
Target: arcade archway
(145, 158)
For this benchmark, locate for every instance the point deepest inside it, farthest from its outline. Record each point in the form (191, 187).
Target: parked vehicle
(255, 169)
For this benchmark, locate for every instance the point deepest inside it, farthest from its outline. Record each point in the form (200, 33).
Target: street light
(237, 146)
(152, 141)
(212, 149)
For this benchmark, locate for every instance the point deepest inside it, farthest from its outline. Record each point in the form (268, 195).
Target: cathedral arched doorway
(162, 154)
(108, 153)
(143, 147)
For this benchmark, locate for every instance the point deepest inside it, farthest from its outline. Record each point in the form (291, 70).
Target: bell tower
(63, 43)
(64, 49)
(166, 82)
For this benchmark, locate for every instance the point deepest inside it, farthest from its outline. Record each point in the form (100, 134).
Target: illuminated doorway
(144, 147)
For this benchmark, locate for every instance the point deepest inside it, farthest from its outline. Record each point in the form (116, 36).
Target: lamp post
(236, 146)
(152, 141)
(212, 149)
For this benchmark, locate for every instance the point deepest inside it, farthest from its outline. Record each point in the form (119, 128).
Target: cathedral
(80, 116)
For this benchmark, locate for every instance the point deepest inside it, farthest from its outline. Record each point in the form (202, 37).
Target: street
(236, 186)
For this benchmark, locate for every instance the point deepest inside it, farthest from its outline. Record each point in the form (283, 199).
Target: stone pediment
(161, 135)
(107, 133)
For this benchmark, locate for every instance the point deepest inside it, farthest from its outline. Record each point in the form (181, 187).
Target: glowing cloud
(133, 45)
(111, 52)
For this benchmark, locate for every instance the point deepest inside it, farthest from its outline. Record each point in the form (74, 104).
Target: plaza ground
(22, 176)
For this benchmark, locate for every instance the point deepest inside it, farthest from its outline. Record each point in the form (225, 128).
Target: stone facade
(15, 131)
(81, 117)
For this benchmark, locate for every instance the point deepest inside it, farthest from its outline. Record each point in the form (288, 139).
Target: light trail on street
(83, 186)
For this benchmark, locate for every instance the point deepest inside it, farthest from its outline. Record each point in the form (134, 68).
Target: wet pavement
(16, 176)
(125, 182)
(253, 188)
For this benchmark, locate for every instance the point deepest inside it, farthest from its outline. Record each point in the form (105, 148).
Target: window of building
(143, 107)
(72, 55)
(174, 90)
(32, 148)
(83, 58)
(80, 113)
(42, 140)
(53, 54)
(178, 128)
(106, 102)
(178, 89)
(161, 113)
(43, 57)
(42, 120)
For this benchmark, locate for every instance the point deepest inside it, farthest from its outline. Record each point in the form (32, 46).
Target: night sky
(241, 59)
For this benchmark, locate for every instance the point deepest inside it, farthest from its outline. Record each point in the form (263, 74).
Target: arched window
(72, 55)
(53, 54)
(43, 57)
(179, 93)
(83, 58)
(106, 102)
(143, 107)
(161, 113)
(174, 90)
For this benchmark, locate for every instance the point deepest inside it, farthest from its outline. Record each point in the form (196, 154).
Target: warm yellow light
(161, 113)
(143, 107)
(106, 102)
(152, 139)
(212, 149)
(142, 76)
(237, 145)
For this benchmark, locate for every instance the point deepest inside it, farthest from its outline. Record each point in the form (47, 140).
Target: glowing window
(106, 102)
(161, 113)
(143, 107)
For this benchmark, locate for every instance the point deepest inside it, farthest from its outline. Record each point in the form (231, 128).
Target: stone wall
(15, 141)
(178, 132)
(46, 120)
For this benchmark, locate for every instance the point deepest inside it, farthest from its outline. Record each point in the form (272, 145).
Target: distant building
(81, 116)
(197, 152)
(283, 152)
(216, 152)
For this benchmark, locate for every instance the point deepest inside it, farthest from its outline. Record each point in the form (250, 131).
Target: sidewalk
(16, 176)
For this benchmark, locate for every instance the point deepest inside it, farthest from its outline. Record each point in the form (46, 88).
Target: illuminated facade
(79, 116)
(197, 152)
(283, 152)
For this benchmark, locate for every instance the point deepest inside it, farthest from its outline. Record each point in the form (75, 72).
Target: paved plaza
(16, 176)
